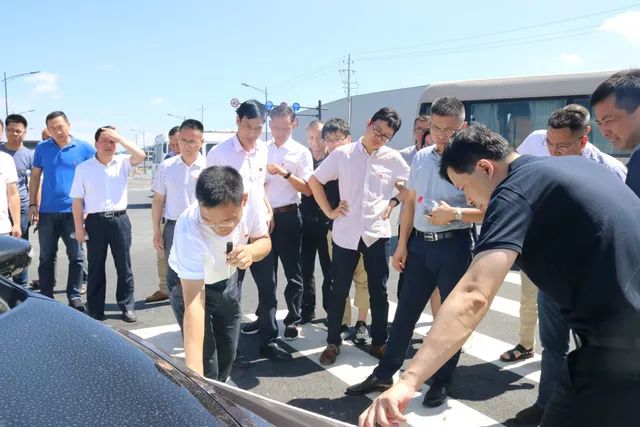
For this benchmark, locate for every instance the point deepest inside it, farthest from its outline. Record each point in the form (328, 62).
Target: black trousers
(314, 240)
(429, 264)
(263, 274)
(222, 327)
(376, 265)
(114, 233)
(286, 241)
(597, 387)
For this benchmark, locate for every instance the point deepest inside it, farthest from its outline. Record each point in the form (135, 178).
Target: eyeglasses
(419, 131)
(14, 131)
(190, 141)
(380, 135)
(561, 148)
(448, 132)
(334, 140)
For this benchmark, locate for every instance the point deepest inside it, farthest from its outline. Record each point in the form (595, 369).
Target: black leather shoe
(274, 351)
(436, 395)
(77, 304)
(240, 362)
(307, 317)
(99, 316)
(530, 416)
(129, 316)
(372, 383)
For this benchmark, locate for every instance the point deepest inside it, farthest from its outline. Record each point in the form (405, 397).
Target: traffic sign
(268, 105)
(235, 102)
(295, 106)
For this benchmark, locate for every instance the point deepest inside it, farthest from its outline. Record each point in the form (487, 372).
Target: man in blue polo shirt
(57, 158)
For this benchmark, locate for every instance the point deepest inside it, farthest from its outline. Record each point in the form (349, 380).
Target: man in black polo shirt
(574, 228)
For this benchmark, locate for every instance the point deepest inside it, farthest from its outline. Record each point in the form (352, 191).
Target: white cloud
(157, 100)
(44, 82)
(571, 58)
(625, 24)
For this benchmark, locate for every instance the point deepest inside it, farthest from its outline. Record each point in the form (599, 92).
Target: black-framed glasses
(380, 135)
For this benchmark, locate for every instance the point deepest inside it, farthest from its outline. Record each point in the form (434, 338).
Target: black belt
(434, 236)
(287, 208)
(109, 214)
(614, 343)
(170, 221)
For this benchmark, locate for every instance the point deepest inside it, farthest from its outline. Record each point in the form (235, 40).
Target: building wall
(405, 101)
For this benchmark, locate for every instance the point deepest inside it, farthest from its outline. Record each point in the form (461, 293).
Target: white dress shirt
(366, 183)
(198, 253)
(251, 165)
(8, 174)
(177, 182)
(294, 157)
(103, 188)
(535, 144)
(592, 152)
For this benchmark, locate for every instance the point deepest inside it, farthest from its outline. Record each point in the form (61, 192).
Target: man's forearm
(406, 219)
(137, 155)
(193, 324)
(156, 212)
(14, 202)
(472, 215)
(260, 248)
(78, 214)
(34, 186)
(320, 195)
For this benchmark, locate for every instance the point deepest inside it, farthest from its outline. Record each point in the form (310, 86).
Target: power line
(318, 69)
(493, 33)
(348, 85)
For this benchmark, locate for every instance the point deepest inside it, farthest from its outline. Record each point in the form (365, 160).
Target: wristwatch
(458, 215)
(395, 199)
(287, 175)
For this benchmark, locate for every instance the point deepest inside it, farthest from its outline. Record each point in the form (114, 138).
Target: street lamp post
(266, 98)
(144, 146)
(183, 118)
(5, 80)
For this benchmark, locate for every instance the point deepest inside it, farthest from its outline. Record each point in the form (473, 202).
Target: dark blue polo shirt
(576, 228)
(58, 168)
(633, 171)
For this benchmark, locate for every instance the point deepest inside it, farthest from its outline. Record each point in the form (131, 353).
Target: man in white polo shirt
(9, 197)
(174, 189)
(366, 172)
(99, 191)
(290, 165)
(221, 232)
(247, 153)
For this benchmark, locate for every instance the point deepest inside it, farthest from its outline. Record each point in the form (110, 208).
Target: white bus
(514, 107)
(161, 145)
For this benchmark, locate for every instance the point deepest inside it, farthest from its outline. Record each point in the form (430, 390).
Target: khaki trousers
(528, 311)
(361, 299)
(162, 268)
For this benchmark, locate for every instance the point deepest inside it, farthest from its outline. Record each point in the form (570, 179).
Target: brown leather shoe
(157, 296)
(377, 350)
(329, 354)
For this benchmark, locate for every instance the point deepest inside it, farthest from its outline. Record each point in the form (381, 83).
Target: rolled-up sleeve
(328, 169)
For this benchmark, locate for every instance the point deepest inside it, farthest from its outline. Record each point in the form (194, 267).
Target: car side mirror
(15, 255)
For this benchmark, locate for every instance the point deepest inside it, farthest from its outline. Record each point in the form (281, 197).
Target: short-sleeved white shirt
(366, 183)
(198, 253)
(592, 152)
(251, 165)
(8, 175)
(535, 144)
(292, 156)
(103, 188)
(177, 182)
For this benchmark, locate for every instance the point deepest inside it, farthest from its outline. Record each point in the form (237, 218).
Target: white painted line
(506, 306)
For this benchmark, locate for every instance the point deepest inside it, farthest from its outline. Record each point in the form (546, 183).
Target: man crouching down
(215, 236)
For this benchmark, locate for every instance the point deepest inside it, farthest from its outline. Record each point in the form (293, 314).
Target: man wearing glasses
(366, 172)
(420, 126)
(434, 250)
(174, 190)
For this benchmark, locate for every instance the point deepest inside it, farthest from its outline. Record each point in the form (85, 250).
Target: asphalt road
(485, 391)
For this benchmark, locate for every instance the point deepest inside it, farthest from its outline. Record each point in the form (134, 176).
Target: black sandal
(511, 354)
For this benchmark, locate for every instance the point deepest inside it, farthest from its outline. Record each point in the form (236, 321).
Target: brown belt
(288, 208)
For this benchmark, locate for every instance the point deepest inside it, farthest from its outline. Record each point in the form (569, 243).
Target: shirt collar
(239, 148)
(363, 150)
(195, 163)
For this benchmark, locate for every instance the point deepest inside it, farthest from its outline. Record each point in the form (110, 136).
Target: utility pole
(348, 85)
(202, 114)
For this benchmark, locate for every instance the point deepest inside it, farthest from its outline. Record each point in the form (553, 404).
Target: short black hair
(572, 119)
(219, 185)
(425, 134)
(100, 130)
(468, 146)
(625, 85)
(315, 123)
(192, 124)
(15, 118)
(390, 116)
(251, 109)
(422, 118)
(54, 115)
(448, 106)
(335, 125)
(174, 130)
(283, 110)
(580, 109)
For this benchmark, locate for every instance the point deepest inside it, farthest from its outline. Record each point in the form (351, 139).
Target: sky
(132, 63)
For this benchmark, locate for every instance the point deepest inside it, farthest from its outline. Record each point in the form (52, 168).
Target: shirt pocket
(380, 181)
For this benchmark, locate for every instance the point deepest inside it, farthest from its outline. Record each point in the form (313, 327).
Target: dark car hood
(59, 367)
